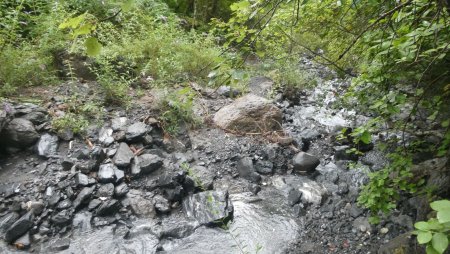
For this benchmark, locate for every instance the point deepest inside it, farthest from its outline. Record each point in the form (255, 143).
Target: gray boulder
(83, 196)
(47, 145)
(146, 164)
(123, 156)
(136, 131)
(246, 170)
(19, 133)
(19, 228)
(208, 207)
(305, 162)
(202, 176)
(249, 113)
(106, 173)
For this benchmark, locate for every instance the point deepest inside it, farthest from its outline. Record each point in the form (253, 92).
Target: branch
(372, 25)
(316, 54)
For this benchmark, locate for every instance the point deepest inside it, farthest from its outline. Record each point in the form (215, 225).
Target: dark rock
(108, 207)
(140, 205)
(120, 175)
(264, 167)
(69, 192)
(136, 131)
(82, 222)
(65, 204)
(162, 205)
(342, 154)
(66, 134)
(59, 245)
(294, 196)
(203, 177)
(105, 190)
(228, 91)
(62, 218)
(106, 173)
(54, 199)
(404, 243)
(208, 207)
(174, 194)
(81, 154)
(85, 167)
(189, 184)
(119, 123)
(81, 180)
(19, 133)
(123, 156)
(305, 162)
(246, 170)
(7, 220)
(47, 145)
(149, 163)
(20, 227)
(121, 190)
(24, 242)
(67, 163)
(254, 188)
(94, 204)
(342, 188)
(83, 196)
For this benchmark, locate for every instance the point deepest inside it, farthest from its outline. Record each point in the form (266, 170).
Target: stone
(83, 196)
(7, 220)
(404, 243)
(121, 190)
(81, 222)
(140, 205)
(19, 228)
(249, 113)
(342, 154)
(120, 175)
(67, 163)
(4, 118)
(106, 173)
(174, 194)
(65, 204)
(81, 180)
(94, 204)
(228, 91)
(362, 224)
(162, 205)
(260, 86)
(149, 163)
(105, 136)
(208, 207)
(24, 242)
(246, 170)
(108, 207)
(19, 133)
(312, 192)
(136, 131)
(59, 245)
(47, 145)
(123, 155)
(294, 196)
(342, 188)
(62, 218)
(119, 123)
(203, 177)
(105, 190)
(36, 207)
(305, 162)
(264, 167)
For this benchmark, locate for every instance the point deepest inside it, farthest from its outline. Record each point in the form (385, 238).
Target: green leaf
(440, 205)
(127, 5)
(93, 47)
(440, 242)
(82, 30)
(443, 216)
(421, 225)
(431, 250)
(72, 22)
(424, 237)
(366, 137)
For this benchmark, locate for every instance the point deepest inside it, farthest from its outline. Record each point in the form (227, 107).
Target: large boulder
(47, 145)
(19, 133)
(249, 113)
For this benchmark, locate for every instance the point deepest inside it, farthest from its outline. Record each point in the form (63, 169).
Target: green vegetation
(396, 53)
(435, 232)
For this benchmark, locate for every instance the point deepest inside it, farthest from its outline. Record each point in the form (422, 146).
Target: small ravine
(209, 191)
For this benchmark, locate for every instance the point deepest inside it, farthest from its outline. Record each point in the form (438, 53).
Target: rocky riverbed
(265, 176)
